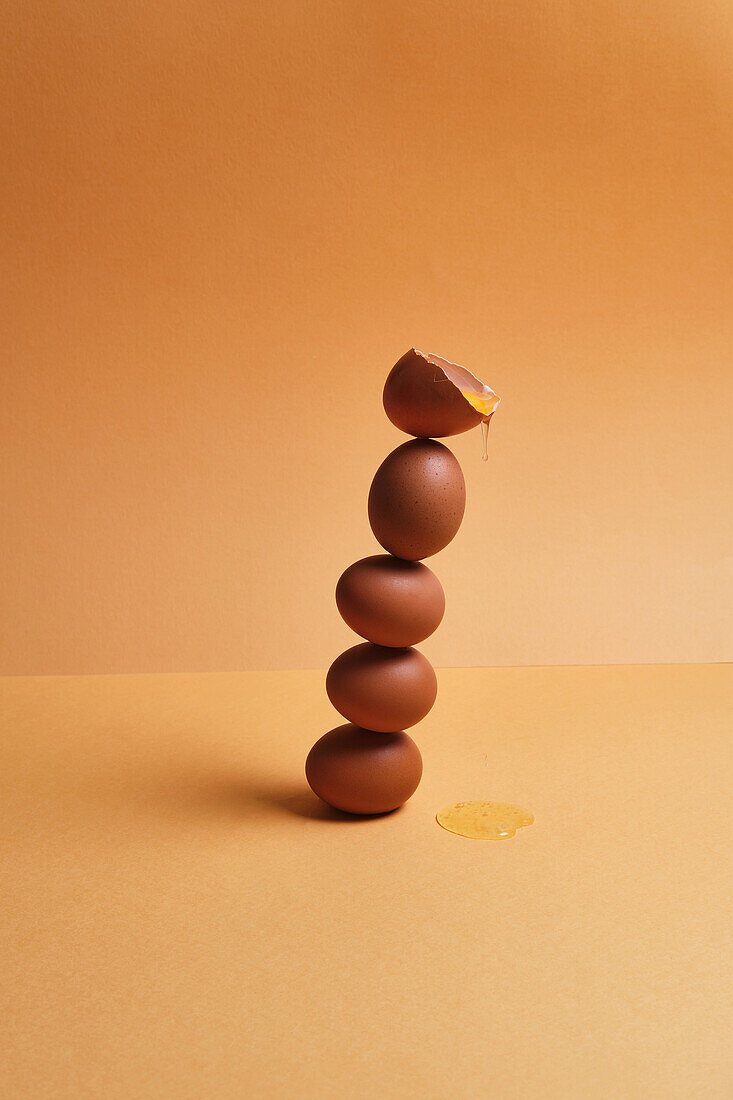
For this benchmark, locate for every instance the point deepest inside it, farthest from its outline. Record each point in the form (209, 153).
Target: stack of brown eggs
(416, 504)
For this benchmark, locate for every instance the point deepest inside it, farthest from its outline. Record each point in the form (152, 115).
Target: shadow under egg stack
(416, 503)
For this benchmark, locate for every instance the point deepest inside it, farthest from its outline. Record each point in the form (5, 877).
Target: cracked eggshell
(428, 396)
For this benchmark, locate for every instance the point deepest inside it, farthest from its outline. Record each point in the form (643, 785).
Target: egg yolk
(483, 403)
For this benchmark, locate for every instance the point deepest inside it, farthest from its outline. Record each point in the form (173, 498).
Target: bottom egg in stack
(362, 771)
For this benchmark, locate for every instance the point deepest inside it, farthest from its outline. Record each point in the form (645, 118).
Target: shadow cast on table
(188, 792)
(300, 801)
(191, 788)
(250, 797)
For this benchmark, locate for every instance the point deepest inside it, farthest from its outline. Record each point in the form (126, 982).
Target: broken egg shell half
(429, 397)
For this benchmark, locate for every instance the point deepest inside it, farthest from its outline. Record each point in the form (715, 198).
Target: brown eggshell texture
(417, 499)
(423, 396)
(380, 688)
(363, 772)
(390, 601)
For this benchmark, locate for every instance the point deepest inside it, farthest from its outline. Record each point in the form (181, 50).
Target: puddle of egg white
(484, 820)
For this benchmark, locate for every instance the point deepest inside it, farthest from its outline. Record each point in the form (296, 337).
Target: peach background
(222, 225)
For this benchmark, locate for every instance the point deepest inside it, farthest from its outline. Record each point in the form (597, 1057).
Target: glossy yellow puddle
(483, 820)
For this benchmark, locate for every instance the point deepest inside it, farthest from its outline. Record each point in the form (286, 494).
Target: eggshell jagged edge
(467, 384)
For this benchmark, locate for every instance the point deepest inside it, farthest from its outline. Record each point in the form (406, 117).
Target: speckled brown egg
(363, 772)
(417, 499)
(426, 395)
(390, 601)
(381, 688)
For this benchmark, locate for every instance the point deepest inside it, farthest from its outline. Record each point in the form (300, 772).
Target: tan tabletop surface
(183, 919)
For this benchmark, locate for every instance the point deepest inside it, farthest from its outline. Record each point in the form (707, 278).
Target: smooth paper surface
(184, 919)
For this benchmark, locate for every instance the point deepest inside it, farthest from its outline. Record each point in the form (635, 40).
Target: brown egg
(426, 395)
(390, 601)
(417, 499)
(380, 688)
(363, 772)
